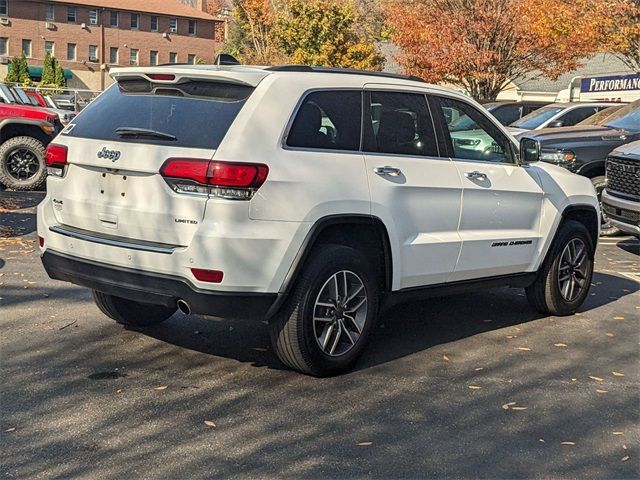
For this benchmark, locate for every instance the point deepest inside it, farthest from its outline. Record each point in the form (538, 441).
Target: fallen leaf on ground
(445, 358)
(597, 379)
(364, 444)
(525, 349)
(209, 423)
(119, 390)
(160, 387)
(12, 429)
(507, 405)
(567, 443)
(474, 387)
(609, 334)
(618, 317)
(512, 336)
(625, 458)
(559, 344)
(478, 369)
(601, 391)
(617, 433)
(518, 408)
(541, 440)
(624, 447)
(617, 374)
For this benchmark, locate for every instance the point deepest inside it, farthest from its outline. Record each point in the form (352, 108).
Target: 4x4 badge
(112, 155)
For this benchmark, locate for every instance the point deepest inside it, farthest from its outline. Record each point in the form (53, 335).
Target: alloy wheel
(573, 270)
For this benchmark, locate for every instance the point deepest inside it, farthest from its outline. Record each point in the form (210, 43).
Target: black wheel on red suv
(325, 325)
(22, 164)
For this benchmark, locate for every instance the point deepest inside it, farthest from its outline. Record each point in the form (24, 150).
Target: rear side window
(193, 114)
(328, 120)
(400, 123)
(576, 115)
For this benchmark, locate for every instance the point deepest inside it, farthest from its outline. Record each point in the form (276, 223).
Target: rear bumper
(155, 288)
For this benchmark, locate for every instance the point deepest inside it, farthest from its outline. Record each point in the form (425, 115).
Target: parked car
(46, 101)
(556, 115)
(599, 117)
(583, 149)
(508, 112)
(264, 212)
(621, 196)
(24, 133)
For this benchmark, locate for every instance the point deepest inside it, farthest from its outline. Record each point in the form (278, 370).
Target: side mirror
(556, 124)
(529, 151)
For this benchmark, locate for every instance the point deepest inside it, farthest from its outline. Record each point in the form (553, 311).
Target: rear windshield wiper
(144, 132)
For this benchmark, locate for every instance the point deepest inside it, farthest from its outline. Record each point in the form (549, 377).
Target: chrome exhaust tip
(183, 307)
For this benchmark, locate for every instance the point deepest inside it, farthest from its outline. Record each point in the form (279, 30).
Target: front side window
(4, 11)
(328, 120)
(93, 17)
(133, 57)
(26, 47)
(399, 123)
(477, 139)
(576, 115)
(71, 14)
(154, 23)
(49, 12)
(135, 20)
(192, 27)
(114, 19)
(113, 55)
(71, 51)
(537, 118)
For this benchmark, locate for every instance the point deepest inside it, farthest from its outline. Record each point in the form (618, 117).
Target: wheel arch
(364, 232)
(592, 169)
(18, 127)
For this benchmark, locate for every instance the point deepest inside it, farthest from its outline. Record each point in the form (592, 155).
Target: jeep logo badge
(112, 155)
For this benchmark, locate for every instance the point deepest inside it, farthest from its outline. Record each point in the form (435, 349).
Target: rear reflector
(56, 155)
(212, 276)
(41, 241)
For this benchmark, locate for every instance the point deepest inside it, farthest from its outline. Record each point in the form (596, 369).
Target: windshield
(193, 114)
(537, 118)
(627, 118)
(600, 117)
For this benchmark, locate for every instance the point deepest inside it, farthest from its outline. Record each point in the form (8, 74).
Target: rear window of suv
(194, 114)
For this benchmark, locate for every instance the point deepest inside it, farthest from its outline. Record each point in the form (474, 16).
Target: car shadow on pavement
(407, 329)
(17, 214)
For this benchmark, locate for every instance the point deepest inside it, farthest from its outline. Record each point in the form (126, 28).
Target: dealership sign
(611, 87)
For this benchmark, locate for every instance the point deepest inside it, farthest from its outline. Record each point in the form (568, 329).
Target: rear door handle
(387, 171)
(476, 175)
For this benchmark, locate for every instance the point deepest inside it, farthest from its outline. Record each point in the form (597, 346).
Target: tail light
(56, 159)
(212, 276)
(234, 181)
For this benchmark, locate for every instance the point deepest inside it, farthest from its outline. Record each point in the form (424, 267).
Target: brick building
(90, 36)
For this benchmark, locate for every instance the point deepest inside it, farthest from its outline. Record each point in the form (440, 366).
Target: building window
(48, 12)
(133, 58)
(49, 48)
(93, 17)
(173, 25)
(192, 27)
(135, 21)
(153, 57)
(4, 46)
(191, 59)
(113, 55)
(115, 17)
(4, 11)
(26, 47)
(93, 53)
(71, 14)
(71, 51)
(173, 57)
(154, 23)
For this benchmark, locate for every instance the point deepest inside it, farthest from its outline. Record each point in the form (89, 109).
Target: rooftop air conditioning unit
(173, 29)
(83, 26)
(4, 21)
(4, 60)
(93, 59)
(50, 26)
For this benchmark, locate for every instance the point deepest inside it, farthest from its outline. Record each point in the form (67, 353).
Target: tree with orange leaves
(619, 26)
(481, 45)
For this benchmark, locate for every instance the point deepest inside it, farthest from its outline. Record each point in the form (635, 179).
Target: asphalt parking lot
(472, 386)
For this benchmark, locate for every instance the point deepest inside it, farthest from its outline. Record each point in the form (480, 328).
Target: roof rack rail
(350, 71)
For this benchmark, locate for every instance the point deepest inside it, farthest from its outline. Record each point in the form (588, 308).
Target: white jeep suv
(310, 197)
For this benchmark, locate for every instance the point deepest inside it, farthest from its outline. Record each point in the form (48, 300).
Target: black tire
(607, 229)
(129, 312)
(545, 293)
(22, 164)
(293, 329)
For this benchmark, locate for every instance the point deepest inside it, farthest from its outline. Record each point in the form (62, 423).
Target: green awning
(37, 72)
